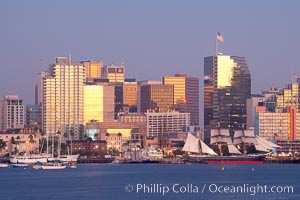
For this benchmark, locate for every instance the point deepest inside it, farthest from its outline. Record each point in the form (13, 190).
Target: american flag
(220, 37)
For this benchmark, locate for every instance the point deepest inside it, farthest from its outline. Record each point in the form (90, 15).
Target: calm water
(108, 181)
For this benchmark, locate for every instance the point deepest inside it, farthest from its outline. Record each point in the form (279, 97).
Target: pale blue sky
(153, 38)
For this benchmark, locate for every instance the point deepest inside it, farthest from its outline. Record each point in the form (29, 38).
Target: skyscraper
(11, 112)
(157, 97)
(39, 88)
(93, 69)
(98, 103)
(227, 86)
(63, 98)
(186, 94)
(130, 96)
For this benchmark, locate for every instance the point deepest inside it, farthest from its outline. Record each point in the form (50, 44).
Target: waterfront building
(63, 98)
(21, 140)
(11, 112)
(34, 116)
(186, 94)
(98, 103)
(160, 124)
(114, 141)
(156, 97)
(227, 85)
(114, 73)
(282, 125)
(89, 145)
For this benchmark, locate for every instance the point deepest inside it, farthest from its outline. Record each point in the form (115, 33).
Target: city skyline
(166, 37)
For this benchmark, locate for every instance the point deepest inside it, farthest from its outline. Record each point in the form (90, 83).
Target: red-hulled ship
(221, 138)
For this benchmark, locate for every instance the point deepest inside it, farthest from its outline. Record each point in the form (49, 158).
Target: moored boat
(31, 159)
(19, 165)
(3, 165)
(53, 166)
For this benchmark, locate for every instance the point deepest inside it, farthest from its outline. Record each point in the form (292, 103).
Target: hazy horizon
(151, 38)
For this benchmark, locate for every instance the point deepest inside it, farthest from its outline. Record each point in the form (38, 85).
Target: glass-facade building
(157, 98)
(227, 86)
(98, 103)
(130, 96)
(186, 94)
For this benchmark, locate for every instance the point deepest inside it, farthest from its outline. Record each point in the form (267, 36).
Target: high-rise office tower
(93, 69)
(186, 95)
(39, 88)
(113, 73)
(11, 112)
(156, 97)
(227, 86)
(130, 96)
(63, 98)
(98, 103)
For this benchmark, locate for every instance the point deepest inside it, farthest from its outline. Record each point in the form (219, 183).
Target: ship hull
(234, 160)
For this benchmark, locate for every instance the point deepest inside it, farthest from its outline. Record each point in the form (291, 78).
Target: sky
(152, 38)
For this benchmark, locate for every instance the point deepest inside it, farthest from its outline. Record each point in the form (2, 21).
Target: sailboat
(198, 149)
(242, 138)
(29, 159)
(221, 138)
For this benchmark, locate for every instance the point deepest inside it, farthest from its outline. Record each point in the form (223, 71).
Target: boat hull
(53, 167)
(27, 160)
(19, 165)
(234, 160)
(3, 165)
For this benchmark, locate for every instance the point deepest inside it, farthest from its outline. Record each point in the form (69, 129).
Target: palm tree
(72, 136)
(17, 142)
(31, 138)
(2, 144)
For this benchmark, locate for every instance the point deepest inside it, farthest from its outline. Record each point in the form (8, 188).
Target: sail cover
(232, 149)
(206, 149)
(191, 144)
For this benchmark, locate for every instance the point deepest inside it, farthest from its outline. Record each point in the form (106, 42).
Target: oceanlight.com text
(247, 189)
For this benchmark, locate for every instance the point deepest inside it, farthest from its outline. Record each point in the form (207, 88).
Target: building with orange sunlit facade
(93, 69)
(157, 98)
(98, 103)
(130, 96)
(186, 94)
(115, 74)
